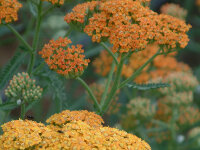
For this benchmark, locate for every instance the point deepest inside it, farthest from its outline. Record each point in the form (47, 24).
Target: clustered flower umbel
(59, 2)
(65, 60)
(9, 10)
(73, 134)
(22, 87)
(174, 10)
(161, 66)
(128, 25)
(139, 103)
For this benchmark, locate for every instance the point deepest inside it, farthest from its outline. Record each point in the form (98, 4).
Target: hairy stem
(137, 72)
(110, 52)
(36, 39)
(97, 106)
(108, 83)
(115, 86)
(20, 37)
(23, 111)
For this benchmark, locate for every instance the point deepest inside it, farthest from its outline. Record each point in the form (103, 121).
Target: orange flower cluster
(160, 67)
(59, 2)
(129, 26)
(198, 2)
(9, 10)
(74, 134)
(80, 11)
(98, 90)
(64, 60)
(174, 10)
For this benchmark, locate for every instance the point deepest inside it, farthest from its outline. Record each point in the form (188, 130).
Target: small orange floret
(64, 60)
(8, 10)
(60, 2)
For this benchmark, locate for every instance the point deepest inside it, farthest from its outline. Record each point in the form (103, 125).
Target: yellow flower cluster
(75, 134)
(128, 25)
(9, 10)
(59, 2)
(174, 10)
(161, 66)
(67, 116)
(98, 90)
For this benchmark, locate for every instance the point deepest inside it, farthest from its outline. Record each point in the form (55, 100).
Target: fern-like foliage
(10, 69)
(147, 86)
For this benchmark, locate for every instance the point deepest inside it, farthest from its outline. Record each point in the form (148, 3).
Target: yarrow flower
(137, 104)
(67, 116)
(174, 10)
(23, 87)
(128, 25)
(75, 134)
(65, 60)
(9, 10)
(59, 2)
(21, 134)
(180, 82)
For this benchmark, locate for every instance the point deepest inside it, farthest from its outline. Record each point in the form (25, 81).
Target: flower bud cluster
(23, 87)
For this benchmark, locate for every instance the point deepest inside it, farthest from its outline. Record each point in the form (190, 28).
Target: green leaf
(10, 69)
(147, 86)
(8, 106)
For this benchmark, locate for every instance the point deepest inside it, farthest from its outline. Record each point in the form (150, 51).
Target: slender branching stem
(96, 104)
(20, 38)
(110, 52)
(36, 38)
(114, 88)
(23, 111)
(137, 72)
(110, 76)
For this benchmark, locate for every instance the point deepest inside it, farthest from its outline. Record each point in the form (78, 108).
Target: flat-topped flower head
(54, 2)
(137, 104)
(20, 134)
(174, 10)
(75, 134)
(65, 60)
(9, 10)
(24, 88)
(180, 82)
(67, 116)
(128, 25)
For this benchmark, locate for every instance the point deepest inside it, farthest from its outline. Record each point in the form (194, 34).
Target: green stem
(106, 104)
(48, 10)
(23, 111)
(108, 83)
(110, 52)
(137, 72)
(36, 39)
(90, 93)
(20, 37)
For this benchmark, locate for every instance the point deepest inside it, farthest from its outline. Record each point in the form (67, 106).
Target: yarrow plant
(139, 49)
